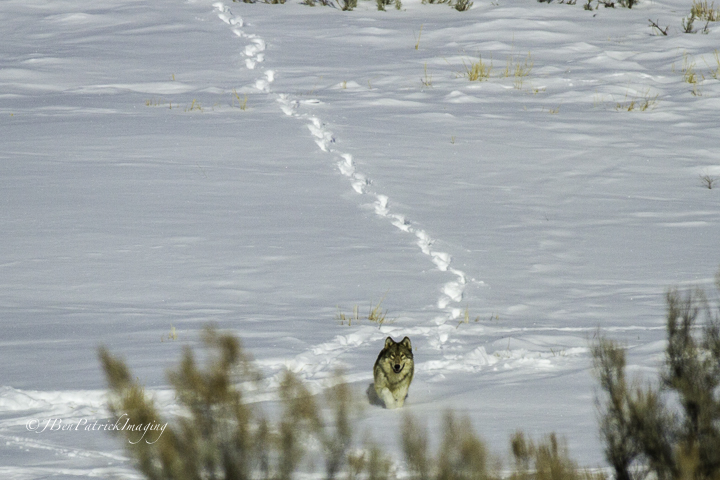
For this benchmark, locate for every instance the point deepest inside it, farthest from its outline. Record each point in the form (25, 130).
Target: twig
(655, 25)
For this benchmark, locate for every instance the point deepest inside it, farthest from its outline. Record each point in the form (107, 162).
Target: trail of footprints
(451, 293)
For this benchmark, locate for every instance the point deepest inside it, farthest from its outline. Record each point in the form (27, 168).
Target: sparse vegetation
(324, 3)
(459, 5)
(242, 103)
(375, 315)
(427, 79)
(690, 75)
(271, 2)
(348, 319)
(642, 104)
(461, 455)
(715, 70)
(518, 69)
(688, 24)
(154, 102)
(703, 11)
(347, 5)
(708, 181)
(666, 430)
(477, 71)
(643, 433)
(656, 26)
(558, 352)
(628, 3)
(548, 460)
(462, 5)
(194, 107)
(220, 436)
(605, 3)
(466, 315)
(417, 40)
(172, 336)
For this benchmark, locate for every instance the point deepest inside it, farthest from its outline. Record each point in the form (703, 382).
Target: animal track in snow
(381, 206)
(347, 168)
(451, 292)
(314, 363)
(257, 46)
(254, 51)
(441, 260)
(323, 138)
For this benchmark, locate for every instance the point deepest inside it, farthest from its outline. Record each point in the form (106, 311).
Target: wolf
(393, 372)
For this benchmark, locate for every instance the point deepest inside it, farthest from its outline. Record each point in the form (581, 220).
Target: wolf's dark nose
(397, 368)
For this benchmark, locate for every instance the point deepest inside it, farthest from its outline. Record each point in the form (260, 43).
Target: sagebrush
(669, 429)
(666, 430)
(221, 436)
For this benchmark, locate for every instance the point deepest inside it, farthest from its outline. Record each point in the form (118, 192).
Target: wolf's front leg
(399, 396)
(388, 399)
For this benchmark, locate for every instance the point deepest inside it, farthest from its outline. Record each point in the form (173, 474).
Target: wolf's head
(398, 355)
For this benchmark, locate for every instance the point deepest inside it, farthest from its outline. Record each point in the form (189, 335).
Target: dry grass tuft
(477, 71)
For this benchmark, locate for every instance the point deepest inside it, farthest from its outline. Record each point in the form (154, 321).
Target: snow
(137, 197)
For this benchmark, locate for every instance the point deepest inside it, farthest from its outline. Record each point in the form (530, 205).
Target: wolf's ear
(389, 342)
(406, 342)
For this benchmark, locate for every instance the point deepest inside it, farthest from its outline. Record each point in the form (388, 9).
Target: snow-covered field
(168, 164)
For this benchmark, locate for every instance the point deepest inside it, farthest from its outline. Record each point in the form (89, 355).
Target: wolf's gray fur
(393, 372)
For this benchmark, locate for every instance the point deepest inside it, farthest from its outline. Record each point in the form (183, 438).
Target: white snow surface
(137, 196)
